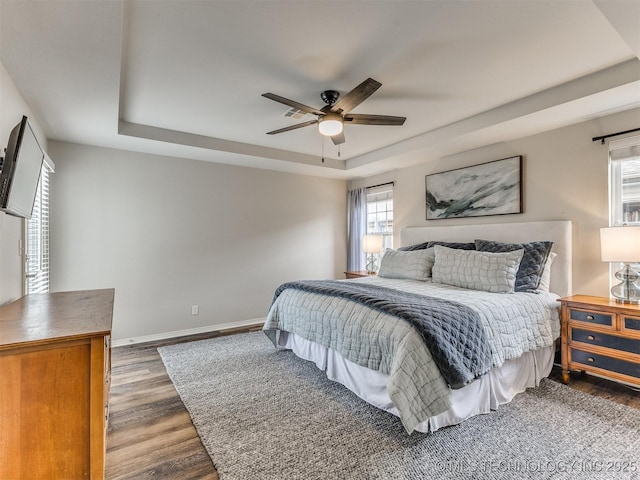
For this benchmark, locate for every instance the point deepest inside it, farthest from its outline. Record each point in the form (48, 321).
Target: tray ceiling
(185, 78)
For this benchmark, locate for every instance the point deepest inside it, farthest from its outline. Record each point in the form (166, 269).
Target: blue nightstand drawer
(632, 324)
(591, 317)
(602, 340)
(606, 363)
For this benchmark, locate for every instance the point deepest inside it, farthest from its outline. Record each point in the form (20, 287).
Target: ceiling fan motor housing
(330, 96)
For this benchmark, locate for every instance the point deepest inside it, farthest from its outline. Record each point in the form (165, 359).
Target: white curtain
(357, 227)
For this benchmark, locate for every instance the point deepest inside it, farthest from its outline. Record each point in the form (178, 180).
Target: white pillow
(545, 278)
(475, 270)
(414, 265)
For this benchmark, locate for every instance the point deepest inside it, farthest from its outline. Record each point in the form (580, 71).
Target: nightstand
(359, 273)
(600, 336)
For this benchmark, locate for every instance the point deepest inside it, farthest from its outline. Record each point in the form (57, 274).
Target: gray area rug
(263, 414)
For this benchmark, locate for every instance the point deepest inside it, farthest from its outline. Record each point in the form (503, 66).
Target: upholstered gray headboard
(558, 231)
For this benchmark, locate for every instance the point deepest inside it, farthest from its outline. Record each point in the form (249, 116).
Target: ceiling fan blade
(292, 103)
(292, 127)
(338, 139)
(356, 96)
(356, 119)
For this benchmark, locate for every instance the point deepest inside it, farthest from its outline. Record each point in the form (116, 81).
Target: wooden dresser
(601, 336)
(54, 385)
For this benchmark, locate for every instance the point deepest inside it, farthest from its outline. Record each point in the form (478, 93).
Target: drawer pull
(591, 337)
(591, 360)
(590, 317)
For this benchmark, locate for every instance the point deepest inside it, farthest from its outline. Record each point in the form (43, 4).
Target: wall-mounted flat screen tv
(20, 171)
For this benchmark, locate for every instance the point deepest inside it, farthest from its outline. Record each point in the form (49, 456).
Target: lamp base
(371, 265)
(627, 291)
(625, 301)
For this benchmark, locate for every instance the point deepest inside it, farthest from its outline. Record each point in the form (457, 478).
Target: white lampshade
(620, 244)
(330, 125)
(372, 243)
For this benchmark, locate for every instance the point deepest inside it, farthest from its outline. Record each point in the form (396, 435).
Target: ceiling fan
(333, 116)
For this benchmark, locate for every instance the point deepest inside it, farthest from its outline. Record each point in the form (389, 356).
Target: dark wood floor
(151, 434)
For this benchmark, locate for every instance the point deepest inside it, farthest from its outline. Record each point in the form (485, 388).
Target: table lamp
(371, 244)
(622, 245)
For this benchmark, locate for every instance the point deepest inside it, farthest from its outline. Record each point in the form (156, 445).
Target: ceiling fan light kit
(330, 125)
(332, 116)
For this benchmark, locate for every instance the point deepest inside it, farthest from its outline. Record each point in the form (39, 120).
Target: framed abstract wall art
(492, 188)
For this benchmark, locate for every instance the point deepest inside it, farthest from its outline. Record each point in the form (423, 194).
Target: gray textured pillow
(485, 271)
(533, 261)
(414, 265)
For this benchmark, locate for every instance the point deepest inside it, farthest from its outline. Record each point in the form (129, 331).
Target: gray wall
(12, 108)
(565, 177)
(170, 233)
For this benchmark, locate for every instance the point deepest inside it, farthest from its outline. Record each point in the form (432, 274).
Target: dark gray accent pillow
(417, 246)
(456, 245)
(532, 264)
(424, 245)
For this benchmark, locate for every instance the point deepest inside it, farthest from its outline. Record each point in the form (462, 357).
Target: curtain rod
(381, 185)
(603, 137)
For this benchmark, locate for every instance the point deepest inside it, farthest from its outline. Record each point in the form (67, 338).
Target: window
(624, 188)
(37, 238)
(624, 181)
(380, 213)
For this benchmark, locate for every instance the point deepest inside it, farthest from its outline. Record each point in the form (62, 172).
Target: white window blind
(624, 181)
(380, 213)
(37, 238)
(624, 188)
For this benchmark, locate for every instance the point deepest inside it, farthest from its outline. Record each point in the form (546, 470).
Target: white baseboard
(191, 331)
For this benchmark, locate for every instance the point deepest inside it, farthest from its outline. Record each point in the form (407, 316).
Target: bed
(419, 344)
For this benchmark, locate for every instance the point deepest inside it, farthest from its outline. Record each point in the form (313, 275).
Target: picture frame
(491, 188)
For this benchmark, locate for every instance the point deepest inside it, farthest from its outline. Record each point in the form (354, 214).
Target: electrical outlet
(195, 310)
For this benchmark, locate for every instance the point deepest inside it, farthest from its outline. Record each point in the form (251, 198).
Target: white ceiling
(185, 78)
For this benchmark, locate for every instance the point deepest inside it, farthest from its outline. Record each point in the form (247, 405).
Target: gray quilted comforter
(452, 331)
(513, 324)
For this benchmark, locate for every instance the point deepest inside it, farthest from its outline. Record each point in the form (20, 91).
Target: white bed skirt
(497, 387)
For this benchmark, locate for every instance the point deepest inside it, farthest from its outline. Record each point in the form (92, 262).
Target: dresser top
(602, 303)
(42, 317)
